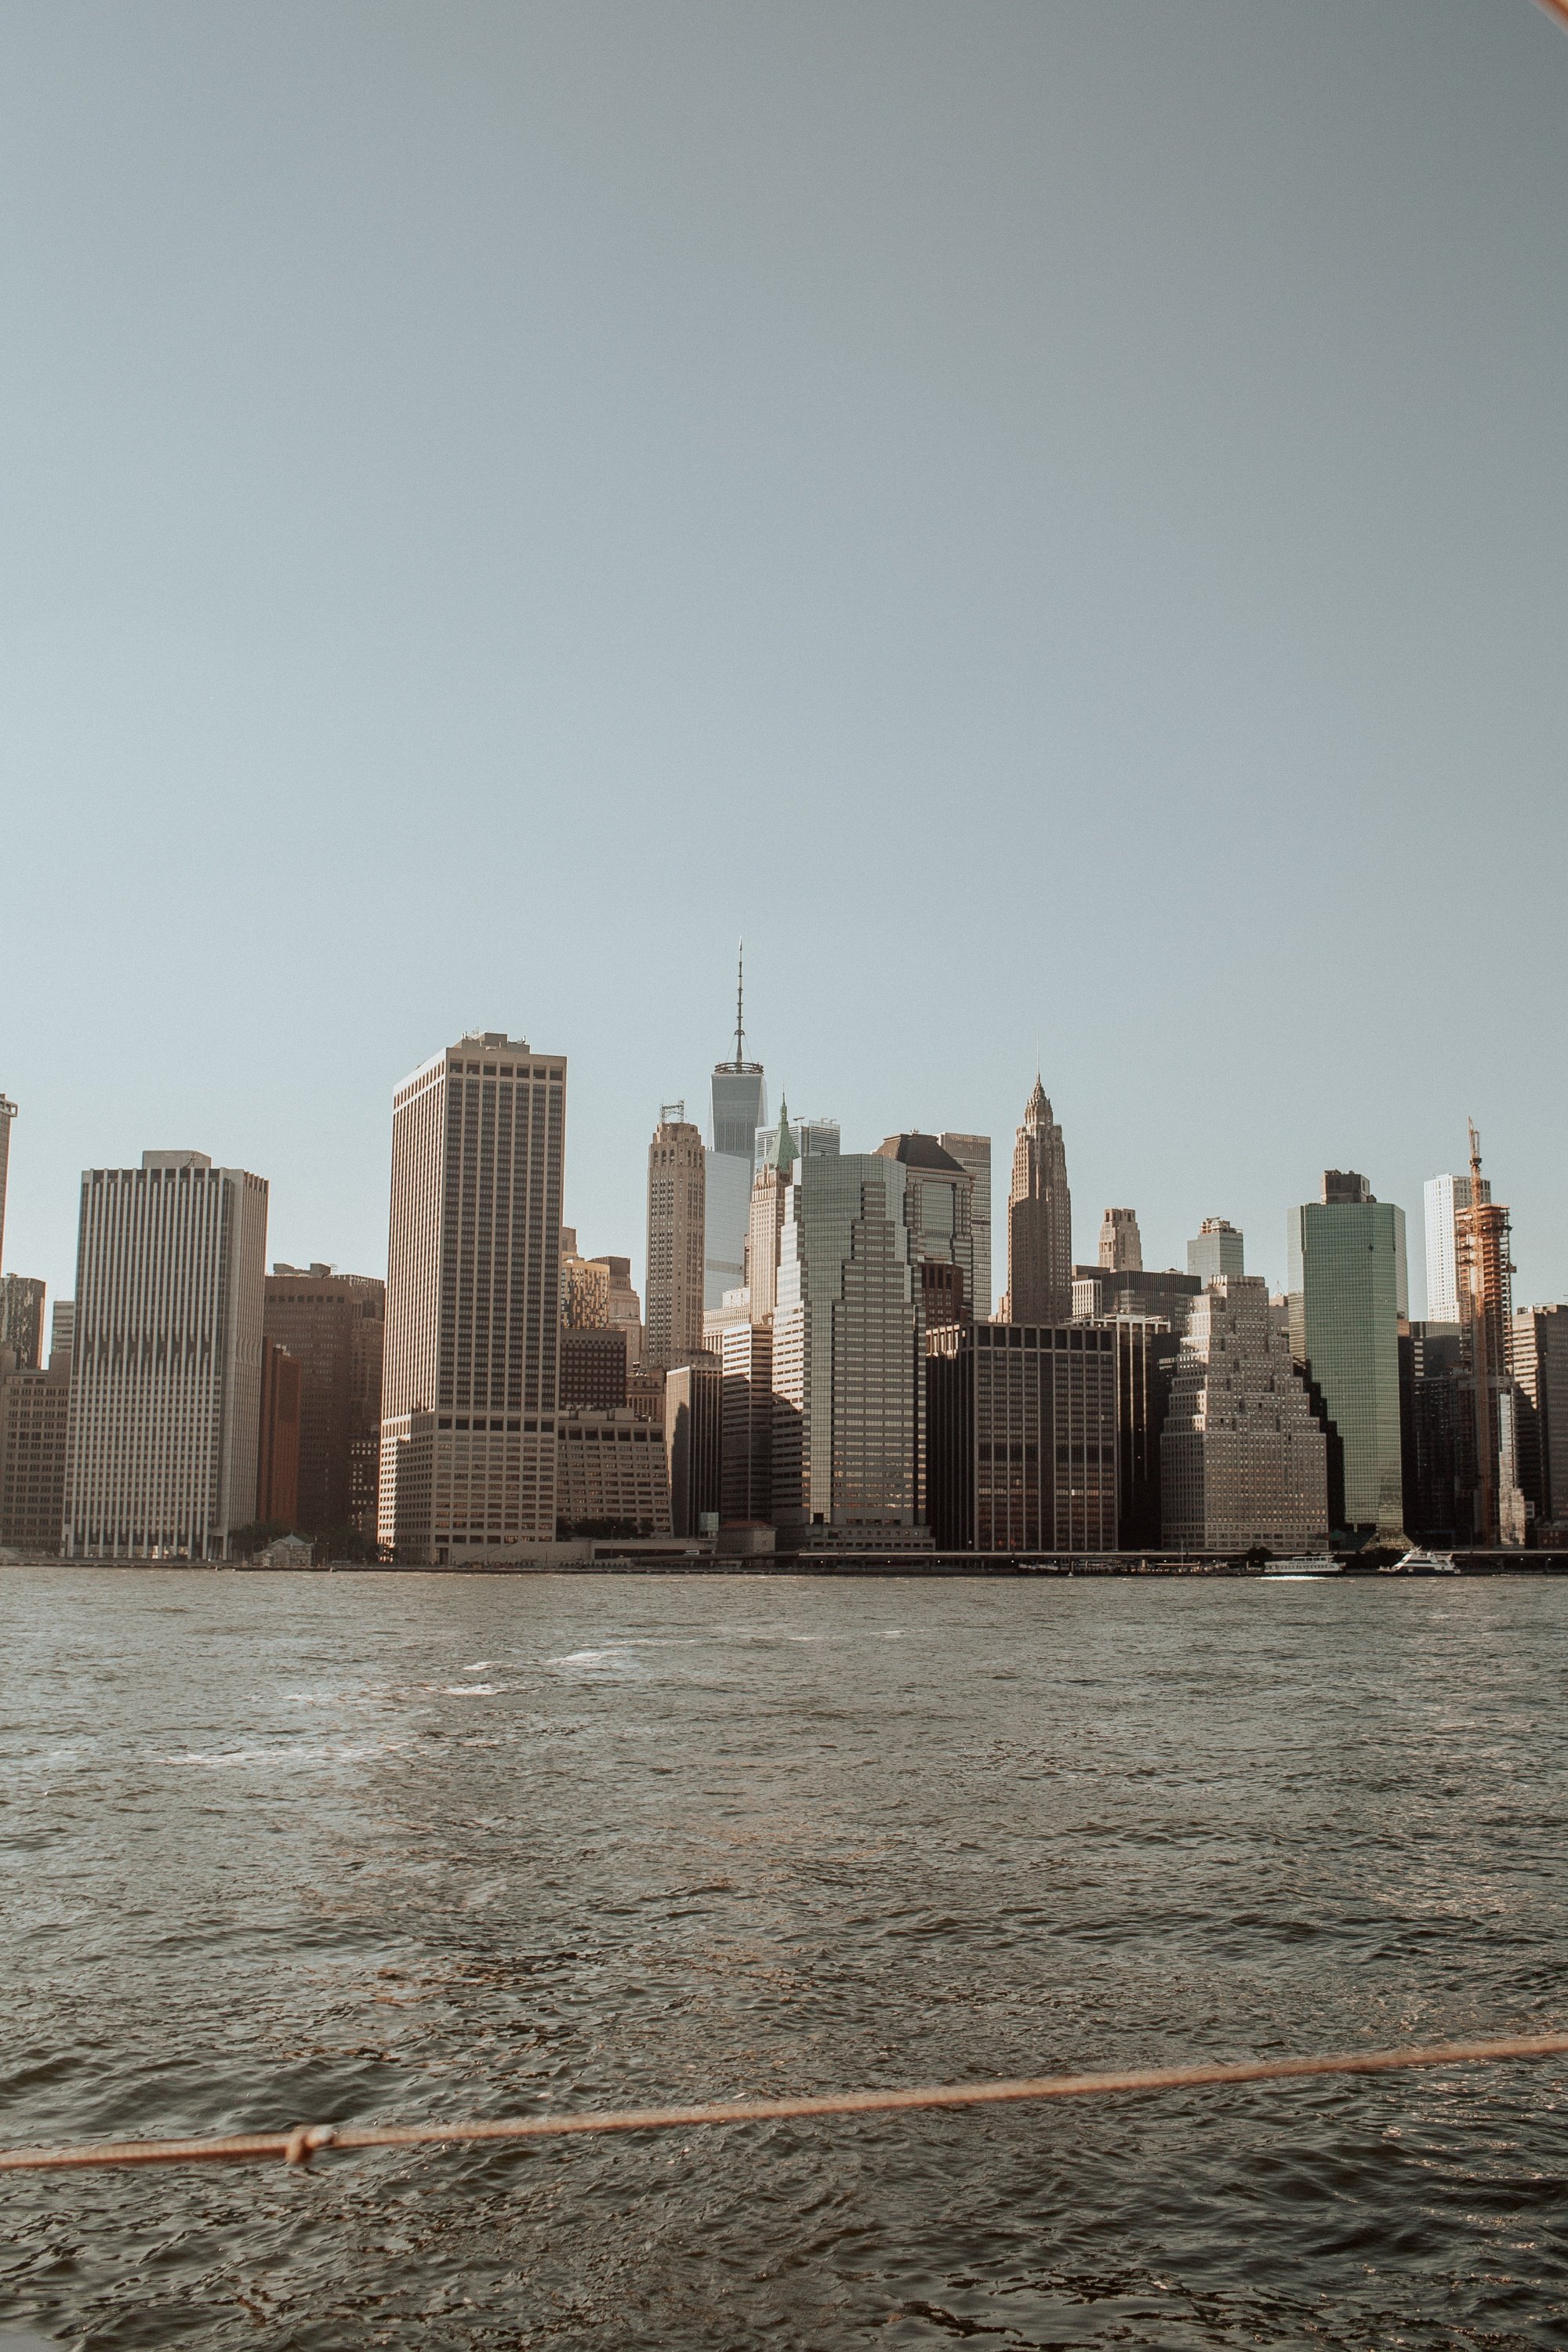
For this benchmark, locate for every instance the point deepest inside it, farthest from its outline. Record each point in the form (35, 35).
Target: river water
(407, 1847)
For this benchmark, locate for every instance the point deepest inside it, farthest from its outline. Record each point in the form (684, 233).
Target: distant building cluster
(816, 1367)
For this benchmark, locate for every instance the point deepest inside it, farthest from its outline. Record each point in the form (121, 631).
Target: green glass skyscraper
(1348, 1293)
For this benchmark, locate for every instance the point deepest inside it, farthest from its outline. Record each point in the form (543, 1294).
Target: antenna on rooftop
(740, 1004)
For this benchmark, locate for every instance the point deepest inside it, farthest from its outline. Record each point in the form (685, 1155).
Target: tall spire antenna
(740, 1004)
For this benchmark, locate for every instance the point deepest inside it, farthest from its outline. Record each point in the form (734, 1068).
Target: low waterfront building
(612, 1478)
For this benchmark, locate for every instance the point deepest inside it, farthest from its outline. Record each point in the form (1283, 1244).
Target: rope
(296, 2147)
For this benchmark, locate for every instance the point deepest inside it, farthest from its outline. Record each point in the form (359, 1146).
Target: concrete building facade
(677, 1195)
(165, 1393)
(613, 1478)
(22, 1321)
(1243, 1461)
(471, 1363)
(1120, 1243)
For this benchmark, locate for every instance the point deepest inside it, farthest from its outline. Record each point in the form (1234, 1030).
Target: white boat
(1416, 1562)
(1314, 1567)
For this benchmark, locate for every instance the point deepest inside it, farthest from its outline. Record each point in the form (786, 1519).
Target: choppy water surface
(281, 1847)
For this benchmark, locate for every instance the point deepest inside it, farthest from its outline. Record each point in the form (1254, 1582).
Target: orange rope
(296, 2147)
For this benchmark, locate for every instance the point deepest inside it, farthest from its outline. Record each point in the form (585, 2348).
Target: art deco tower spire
(1039, 1220)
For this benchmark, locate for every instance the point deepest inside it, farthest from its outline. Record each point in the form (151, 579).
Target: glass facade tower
(1348, 1296)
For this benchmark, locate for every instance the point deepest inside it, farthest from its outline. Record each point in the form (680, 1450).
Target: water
(407, 1847)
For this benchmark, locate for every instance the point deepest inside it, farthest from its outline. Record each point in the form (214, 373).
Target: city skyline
(1267, 1238)
(1038, 473)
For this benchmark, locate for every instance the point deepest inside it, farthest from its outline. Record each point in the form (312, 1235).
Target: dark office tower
(278, 1455)
(22, 1320)
(1541, 1375)
(693, 1444)
(468, 1452)
(333, 1325)
(740, 1108)
(33, 1417)
(593, 1369)
(1120, 1244)
(746, 1356)
(1440, 1482)
(1146, 1353)
(1021, 1438)
(1040, 1221)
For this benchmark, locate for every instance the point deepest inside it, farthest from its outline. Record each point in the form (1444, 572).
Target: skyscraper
(1021, 1437)
(973, 1153)
(334, 1325)
(1243, 1461)
(1217, 1254)
(1443, 1198)
(676, 1205)
(22, 1320)
(1348, 1294)
(846, 1427)
(938, 1194)
(473, 1301)
(1484, 1271)
(277, 1455)
(7, 1113)
(165, 1390)
(1120, 1244)
(739, 1107)
(1040, 1221)
(1539, 1366)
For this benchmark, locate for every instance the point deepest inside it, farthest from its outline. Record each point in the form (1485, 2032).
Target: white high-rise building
(1442, 1196)
(165, 1393)
(471, 1367)
(1242, 1459)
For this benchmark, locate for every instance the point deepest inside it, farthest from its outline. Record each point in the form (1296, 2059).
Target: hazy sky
(1052, 519)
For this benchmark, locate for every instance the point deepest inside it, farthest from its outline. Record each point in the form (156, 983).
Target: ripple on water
(741, 1837)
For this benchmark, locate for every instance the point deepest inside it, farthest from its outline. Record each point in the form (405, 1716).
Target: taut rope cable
(298, 2146)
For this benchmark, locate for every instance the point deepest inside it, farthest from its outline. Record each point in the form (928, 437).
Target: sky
(1049, 518)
